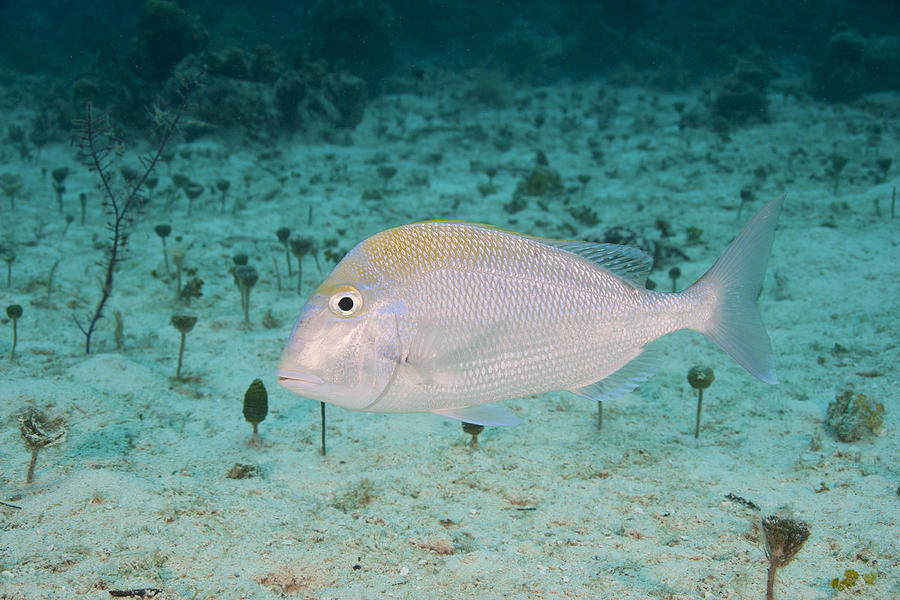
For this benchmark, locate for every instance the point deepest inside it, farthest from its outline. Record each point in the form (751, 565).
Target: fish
(453, 318)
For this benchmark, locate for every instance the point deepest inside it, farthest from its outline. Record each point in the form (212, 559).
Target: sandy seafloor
(401, 506)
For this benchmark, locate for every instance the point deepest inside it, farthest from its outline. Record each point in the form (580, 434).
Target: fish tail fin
(735, 282)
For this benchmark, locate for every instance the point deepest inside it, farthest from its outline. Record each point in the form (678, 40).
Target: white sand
(401, 507)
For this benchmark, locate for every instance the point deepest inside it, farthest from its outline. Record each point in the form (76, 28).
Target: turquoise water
(528, 121)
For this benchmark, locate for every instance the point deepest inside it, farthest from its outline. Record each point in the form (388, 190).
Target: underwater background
(177, 178)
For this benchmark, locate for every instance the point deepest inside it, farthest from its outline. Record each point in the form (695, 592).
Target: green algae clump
(851, 578)
(853, 416)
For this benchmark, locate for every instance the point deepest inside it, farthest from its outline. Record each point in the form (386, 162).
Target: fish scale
(452, 317)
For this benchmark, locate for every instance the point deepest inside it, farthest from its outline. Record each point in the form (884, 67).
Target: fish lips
(316, 388)
(298, 382)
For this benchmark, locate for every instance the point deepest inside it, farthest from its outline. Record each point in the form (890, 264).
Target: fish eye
(346, 301)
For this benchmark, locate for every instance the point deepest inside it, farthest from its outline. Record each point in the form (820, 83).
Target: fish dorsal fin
(491, 415)
(631, 264)
(625, 380)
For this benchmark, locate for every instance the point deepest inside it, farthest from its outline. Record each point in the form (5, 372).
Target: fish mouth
(296, 380)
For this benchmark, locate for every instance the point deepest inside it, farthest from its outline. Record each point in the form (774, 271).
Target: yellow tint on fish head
(396, 255)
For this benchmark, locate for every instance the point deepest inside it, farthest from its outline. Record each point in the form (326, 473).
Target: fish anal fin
(624, 380)
(490, 415)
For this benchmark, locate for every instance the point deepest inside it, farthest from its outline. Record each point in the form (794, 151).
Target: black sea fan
(99, 148)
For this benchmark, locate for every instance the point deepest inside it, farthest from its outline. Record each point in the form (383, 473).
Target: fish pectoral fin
(624, 380)
(490, 415)
(436, 352)
(428, 350)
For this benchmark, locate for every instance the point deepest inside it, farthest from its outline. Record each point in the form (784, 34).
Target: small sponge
(853, 416)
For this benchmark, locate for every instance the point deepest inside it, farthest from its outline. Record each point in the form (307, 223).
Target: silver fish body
(448, 317)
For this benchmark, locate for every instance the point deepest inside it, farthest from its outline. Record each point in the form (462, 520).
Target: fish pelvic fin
(735, 282)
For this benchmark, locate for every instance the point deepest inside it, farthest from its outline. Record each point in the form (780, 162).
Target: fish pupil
(345, 304)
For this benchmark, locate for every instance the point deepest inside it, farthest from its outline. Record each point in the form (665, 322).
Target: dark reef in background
(854, 64)
(369, 38)
(359, 36)
(264, 97)
(165, 34)
(740, 96)
(277, 66)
